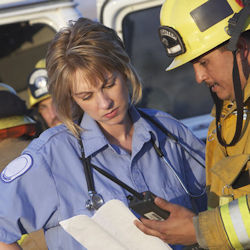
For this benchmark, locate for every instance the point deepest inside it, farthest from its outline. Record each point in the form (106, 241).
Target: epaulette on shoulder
(46, 136)
(158, 114)
(164, 121)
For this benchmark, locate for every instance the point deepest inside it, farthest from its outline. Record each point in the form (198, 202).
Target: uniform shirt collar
(94, 140)
(142, 128)
(92, 137)
(142, 131)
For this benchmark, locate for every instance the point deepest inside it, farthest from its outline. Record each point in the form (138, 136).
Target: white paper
(112, 227)
(87, 232)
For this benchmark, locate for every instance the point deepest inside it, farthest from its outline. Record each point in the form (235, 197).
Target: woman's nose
(104, 101)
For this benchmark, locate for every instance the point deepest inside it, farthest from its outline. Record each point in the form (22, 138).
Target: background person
(199, 32)
(95, 87)
(39, 98)
(17, 129)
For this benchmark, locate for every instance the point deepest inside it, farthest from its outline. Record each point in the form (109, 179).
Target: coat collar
(246, 96)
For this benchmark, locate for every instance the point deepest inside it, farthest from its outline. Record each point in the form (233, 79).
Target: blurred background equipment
(28, 26)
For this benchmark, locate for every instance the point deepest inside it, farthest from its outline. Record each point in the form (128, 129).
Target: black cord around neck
(87, 165)
(239, 105)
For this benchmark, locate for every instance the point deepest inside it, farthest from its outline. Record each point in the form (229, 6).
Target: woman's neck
(120, 134)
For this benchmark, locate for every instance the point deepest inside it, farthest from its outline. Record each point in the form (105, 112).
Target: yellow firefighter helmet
(190, 28)
(37, 84)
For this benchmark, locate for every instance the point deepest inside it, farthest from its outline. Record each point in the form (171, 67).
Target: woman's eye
(109, 85)
(85, 98)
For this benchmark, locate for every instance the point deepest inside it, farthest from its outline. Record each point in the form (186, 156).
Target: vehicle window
(22, 45)
(176, 91)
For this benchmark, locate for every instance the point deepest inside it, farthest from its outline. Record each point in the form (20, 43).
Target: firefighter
(214, 36)
(39, 98)
(17, 129)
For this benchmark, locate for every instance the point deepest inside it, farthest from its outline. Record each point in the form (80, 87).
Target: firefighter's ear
(244, 47)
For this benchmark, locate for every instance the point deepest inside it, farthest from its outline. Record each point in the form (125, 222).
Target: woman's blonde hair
(95, 50)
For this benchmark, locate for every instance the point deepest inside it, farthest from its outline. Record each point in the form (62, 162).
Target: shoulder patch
(16, 168)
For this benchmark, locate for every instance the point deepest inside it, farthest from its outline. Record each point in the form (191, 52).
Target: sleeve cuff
(200, 239)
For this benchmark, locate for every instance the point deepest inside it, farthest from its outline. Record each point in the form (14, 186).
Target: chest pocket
(233, 170)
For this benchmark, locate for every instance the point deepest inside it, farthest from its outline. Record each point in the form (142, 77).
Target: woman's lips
(112, 114)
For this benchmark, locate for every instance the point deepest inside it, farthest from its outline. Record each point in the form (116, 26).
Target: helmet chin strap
(239, 104)
(236, 25)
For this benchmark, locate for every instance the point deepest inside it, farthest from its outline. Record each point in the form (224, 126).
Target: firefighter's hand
(177, 229)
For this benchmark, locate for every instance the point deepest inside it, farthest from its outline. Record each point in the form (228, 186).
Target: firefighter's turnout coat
(226, 224)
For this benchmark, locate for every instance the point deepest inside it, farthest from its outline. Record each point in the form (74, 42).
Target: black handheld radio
(146, 207)
(141, 203)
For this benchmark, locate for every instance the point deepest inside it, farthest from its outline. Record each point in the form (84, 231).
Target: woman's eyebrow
(81, 93)
(105, 81)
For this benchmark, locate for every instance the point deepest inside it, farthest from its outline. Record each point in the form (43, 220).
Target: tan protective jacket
(227, 226)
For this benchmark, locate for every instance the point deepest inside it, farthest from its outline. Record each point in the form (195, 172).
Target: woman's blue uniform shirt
(54, 188)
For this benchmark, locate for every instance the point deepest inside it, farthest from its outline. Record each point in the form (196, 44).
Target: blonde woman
(95, 89)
